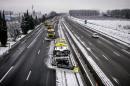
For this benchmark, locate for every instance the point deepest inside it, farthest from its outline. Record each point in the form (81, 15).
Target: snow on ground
(115, 29)
(9, 44)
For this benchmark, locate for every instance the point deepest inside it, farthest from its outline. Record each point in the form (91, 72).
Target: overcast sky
(62, 5)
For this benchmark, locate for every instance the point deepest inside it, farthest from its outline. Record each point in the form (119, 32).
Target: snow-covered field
(118, 30)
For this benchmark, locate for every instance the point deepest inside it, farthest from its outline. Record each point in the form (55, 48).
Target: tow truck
(61, 54)
(46, 23)
(50, 33)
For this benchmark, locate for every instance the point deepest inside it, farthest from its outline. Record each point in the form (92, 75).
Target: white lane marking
(90, 43)
(38, 52)
(94, 55)
(28, 75)
(116, 80)
(47, 78)
(107, 41)
(126, 51)
(105, 57)
(23, 41)
(6, 74)
(116, 53)
(34, 39)
(82, 37)
(89, 49)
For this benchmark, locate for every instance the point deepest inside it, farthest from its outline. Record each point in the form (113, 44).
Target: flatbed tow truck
(61, 55)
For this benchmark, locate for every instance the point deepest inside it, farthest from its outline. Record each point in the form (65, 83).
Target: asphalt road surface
(24, 65)
(112, 57)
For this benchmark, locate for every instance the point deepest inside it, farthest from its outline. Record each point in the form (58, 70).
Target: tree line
(29, 23)
(3, 30)
(123, 13)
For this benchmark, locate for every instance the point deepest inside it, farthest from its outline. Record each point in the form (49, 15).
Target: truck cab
(61, 48)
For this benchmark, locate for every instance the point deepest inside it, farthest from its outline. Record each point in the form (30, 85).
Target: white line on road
(105, 57)
(94, 55)
(34, 39)
(116, 53)
(89, 49)
(23, 41)
(38, 52)
(47, 78)
(28, 75)
(126, 51)
(6, 74)
(116, 80)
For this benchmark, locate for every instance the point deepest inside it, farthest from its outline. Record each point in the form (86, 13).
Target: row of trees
(3, 29)
(124, 13)
(29, 23)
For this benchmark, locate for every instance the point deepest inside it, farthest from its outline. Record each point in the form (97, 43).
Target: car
(95, 35)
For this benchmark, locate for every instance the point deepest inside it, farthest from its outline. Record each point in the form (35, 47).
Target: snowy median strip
(99, 72)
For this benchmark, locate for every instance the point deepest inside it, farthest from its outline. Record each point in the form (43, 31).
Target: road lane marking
(38, 52)
(107, 41)
(88, 49)
(116, 53)
(126, 51)
(23, 41)
(34, 39)
(6, 74)
(94, 55)
(28, 75)
(117, 81)
(48, 73)
(105, 57)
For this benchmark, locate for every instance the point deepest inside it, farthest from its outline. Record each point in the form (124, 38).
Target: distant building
(84, 13)
(38, 14)
(8, 12)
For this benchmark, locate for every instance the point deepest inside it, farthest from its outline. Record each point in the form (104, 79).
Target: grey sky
(62, 5)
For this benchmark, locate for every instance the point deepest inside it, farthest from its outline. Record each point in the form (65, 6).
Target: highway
(24, 65)
(112, 57)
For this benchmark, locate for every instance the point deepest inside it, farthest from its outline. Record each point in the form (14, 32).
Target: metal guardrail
(89, 80)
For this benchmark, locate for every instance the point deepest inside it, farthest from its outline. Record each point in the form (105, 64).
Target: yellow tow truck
(51, 33)
(61, 54)
(61, 47)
